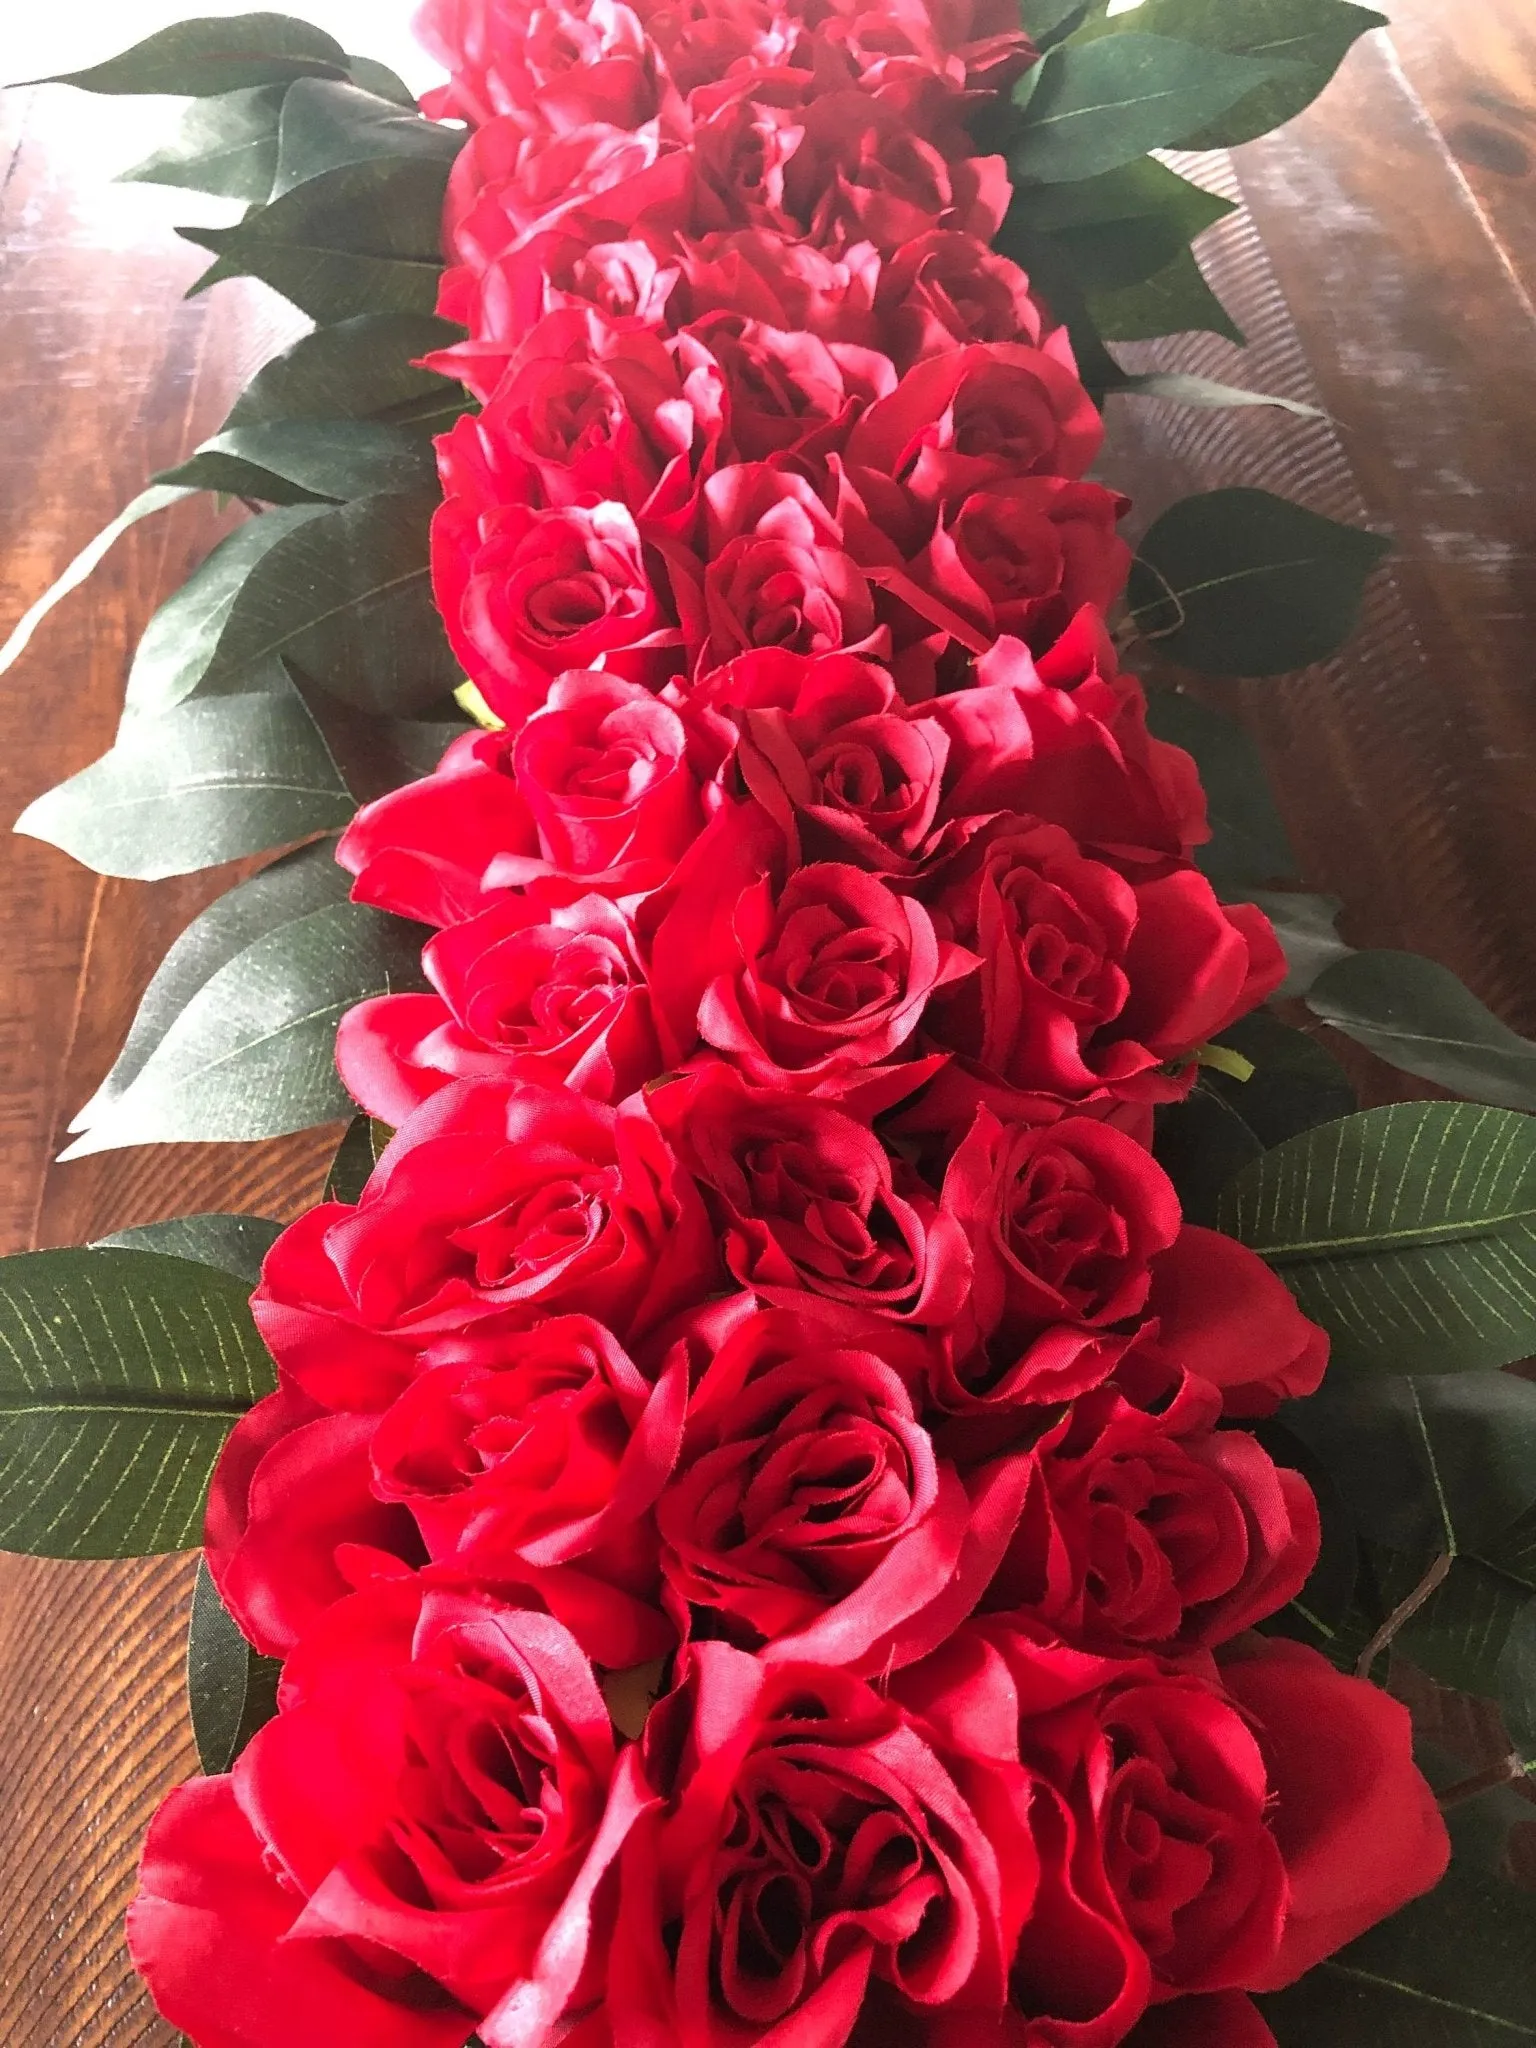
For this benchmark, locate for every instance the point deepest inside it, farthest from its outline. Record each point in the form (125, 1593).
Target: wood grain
(1386, 267)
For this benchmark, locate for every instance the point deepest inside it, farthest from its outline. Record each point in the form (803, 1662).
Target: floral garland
(890, 1469)
(769, 1498)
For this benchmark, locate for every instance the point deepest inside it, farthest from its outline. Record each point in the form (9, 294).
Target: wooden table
(1396, 220)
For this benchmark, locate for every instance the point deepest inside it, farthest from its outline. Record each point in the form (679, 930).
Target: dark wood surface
(1386, 266)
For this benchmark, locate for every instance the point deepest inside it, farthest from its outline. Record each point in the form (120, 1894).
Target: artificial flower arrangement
(789, 1493)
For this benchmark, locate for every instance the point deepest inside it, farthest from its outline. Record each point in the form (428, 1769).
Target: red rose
(787, 391)
(293, 1522)
(1156, 1531)
(1023, 557)
(510, 1203)
(1091, 984)
(816, 986)
(946, 288)
(422, 851)
(628, 281)
(745, 131)
(809, 1205)
(618, 786)
(587, 411)
(1357, 1825)
(780, 281)
(1223, 2020)
(704, 41)
(973, 418)
(809, 1514)
(808, 1831)
(891, 166)
(524, 992)
(507, 57)
(424, 1823)
(526, 594)
(776, 573)
(539, 1466)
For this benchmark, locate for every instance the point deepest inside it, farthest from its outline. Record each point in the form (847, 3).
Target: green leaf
(326, 125)
(364, 238)
(1239, 582)
(1093, 107)
(356, 1157)
(208, 56)
(347, 598)
(1166, 209)
(361, 368)
(179, 642)
(121, 1374)
(226, 145)
(156, 499)
(1443, 1461)
(253, 1053)
(378, 79)
(1516, 1682)
(1458, 1636)
(1480, 1825)
(1408, 1232)
(204, 783)
(1453, 1970)
(1310, 36)
(1181, 389)
(1046, 21)
(1514, 1553)
(284, 893)
(309, 459)
(1177, 300)
(1417, 1016)
(235, 1244)
(1224, 1125)
(1304, 926)
(1248, 842)
(231, 1690)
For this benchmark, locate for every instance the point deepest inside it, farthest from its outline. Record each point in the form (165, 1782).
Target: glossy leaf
(181, 639)
(1124, 227)
(1453, 1970)
(347, 598)
(156, 499)
(1248, 842)
(226, 146)
(1240, 582)
(1208, 393)
(1516, 1681)
(253, 1053)
(1095, 106)
(361, 368)
(231, 1690)
(356, 1157)
(1443, 1461)
(235, 1244)
(1304, 925)
(1046, 20)
(380, 80)
(1417, 1016)
(215, 55)
(1175, 300)
(287, 891)
(121, 1375)
(326, 124)
(1459, 1635)
(1310, 36)
(310, 459)
(364, 238)
(1408, 1232)
(1514, 1553)
(204, 783)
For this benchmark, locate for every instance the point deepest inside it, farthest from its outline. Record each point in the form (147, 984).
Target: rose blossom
(807, 1831)
(526, 594)
(816, 986)
(491, 1205)
(524, 992)
(946, 288)
(788, 392)
(1092, 985)
(1156, 1531)
(425, 1823)
(809, 1204)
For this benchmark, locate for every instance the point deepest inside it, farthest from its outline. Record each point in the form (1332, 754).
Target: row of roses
(889, 1492)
